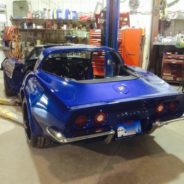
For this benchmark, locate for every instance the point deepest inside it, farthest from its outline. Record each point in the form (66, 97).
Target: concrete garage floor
(154, 159)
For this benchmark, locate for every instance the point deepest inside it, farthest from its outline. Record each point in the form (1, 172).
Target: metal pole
(115, 23)
(112, 23)
(107, 22)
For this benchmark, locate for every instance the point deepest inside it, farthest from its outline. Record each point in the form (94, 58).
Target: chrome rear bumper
(59, 137)
(159, 124)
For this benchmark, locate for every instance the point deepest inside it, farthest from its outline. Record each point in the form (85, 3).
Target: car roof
(76, 47)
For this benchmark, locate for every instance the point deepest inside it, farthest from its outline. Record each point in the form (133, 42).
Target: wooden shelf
(41, 29)
(47, 32)
(48, 29)
(19, 21)
(176, 62)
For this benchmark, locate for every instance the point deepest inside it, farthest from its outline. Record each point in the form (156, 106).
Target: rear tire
(40, 142)
(35, 141)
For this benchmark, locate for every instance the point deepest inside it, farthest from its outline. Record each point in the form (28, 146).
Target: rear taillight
(81, 121)
(100, 118)
(173, 106)
(160, 108)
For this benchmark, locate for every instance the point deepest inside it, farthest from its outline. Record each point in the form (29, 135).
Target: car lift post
(111, 25)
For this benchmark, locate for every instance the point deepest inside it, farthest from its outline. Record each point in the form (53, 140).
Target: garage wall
(9, 8)
(77, 5)
(177, 7)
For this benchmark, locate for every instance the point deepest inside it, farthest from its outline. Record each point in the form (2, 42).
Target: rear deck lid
(74, 94)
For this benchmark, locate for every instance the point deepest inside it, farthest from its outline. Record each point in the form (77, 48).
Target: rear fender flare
(35, 128)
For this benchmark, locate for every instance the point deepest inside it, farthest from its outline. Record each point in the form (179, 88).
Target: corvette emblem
(121, 88)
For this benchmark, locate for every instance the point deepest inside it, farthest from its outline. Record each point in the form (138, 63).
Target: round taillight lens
(173, 106)
(160, 108)
(81, 121)
(100, 118)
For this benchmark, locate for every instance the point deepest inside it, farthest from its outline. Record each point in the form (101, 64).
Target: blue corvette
(84, 92)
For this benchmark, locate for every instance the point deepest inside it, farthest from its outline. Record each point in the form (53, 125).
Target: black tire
(34, 141)
(8, 91)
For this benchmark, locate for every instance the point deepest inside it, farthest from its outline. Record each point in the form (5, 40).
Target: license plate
(129, 128)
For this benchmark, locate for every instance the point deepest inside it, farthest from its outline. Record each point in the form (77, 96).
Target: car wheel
(34, 141)
(8, 91)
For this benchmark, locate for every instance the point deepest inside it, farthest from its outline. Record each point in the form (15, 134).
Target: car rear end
(119, 119)
(111, 100)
